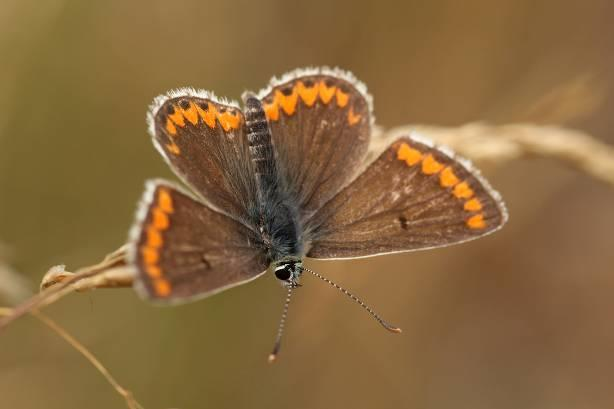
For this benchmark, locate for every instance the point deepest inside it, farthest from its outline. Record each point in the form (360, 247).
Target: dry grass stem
(123, 392)
(58, 283)
(500, 144)
(478, 141)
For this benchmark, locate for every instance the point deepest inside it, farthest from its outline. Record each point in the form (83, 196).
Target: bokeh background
(520, 319)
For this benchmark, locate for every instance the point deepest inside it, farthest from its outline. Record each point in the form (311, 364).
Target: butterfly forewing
(414, 196)
(183, 249)
(320, 126)
(204, 142)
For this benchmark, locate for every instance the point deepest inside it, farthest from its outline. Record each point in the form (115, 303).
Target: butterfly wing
(183, 249)
(203, 140)
(414, 196)
(320, 122)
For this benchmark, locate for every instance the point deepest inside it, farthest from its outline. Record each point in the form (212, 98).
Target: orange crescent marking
(162, 287)
(159, 219)
(191, 113)
(408, 154)
(272, 111)
(342, 98)
(207, 118)
(154, 238)
(177, 117)
(228, 120)
(472, 205)
(476, 222)
(153, 271)
(447, 178)
(353, 118)
(165, 202)
(209, 115)
(170, 127)
(430, 166)
(173, 148)
(326, 93)
(308, 95)
(287, 102)
(223, 118)
(462, 191)
(235, 120)
(150, 255)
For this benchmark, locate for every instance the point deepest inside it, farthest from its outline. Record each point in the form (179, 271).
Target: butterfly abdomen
(260, 146)
(279, 216)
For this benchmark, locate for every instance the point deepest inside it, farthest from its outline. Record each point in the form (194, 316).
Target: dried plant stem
(57, 283)
(500, 144)
(478, 141)
(123, 392)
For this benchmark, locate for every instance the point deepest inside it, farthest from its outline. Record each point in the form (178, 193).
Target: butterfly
(285, 178)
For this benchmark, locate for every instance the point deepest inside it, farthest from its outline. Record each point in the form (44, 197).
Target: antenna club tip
(396, 330)
(272, 358)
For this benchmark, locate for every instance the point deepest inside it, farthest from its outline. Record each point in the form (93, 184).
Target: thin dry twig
(63, 285)
(477, 141)
(123, 392)
(500, 144)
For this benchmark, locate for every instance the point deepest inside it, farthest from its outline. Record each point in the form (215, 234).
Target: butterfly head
(288, 272)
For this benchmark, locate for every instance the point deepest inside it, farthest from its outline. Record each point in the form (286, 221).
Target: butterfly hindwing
(182, 249)
(204, 141)
(320, 124)
(414, 196)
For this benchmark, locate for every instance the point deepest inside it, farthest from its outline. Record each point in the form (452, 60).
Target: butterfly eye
(283, 272)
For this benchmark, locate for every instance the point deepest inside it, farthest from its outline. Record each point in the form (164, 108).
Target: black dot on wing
(402, 222)
(184, 104)
(222, 109)
(308, 82)
(204, 106)
(329, 82)
(170, 109)
(286, 90)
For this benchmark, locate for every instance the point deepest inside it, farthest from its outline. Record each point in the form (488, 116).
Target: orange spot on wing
(235, 120)
(287, 102)
(165, 202)
(154, 238)
(159, 219)
(430, 166)
(207, 115)
(342, 98)
(472, 205)
(326, 93)
(162, 287)
(228, 120)
(408, 154)
(476, 222)
(308, 95)
(463, 191)
(177, 117)
(447, 178)
(153, 271)
(173, 148)
(272, 111)
(353, 118)
(150, 255)
(170, 127)
(191, 113)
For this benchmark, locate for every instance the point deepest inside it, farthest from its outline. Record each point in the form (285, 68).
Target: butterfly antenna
(379, 319)
(280, 329)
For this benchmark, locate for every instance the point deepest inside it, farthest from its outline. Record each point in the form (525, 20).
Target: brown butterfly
(280, 180)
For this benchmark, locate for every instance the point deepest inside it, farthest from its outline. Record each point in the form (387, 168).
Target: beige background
(521, 319)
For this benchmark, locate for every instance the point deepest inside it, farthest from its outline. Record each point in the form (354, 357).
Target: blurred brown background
(521, 319)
